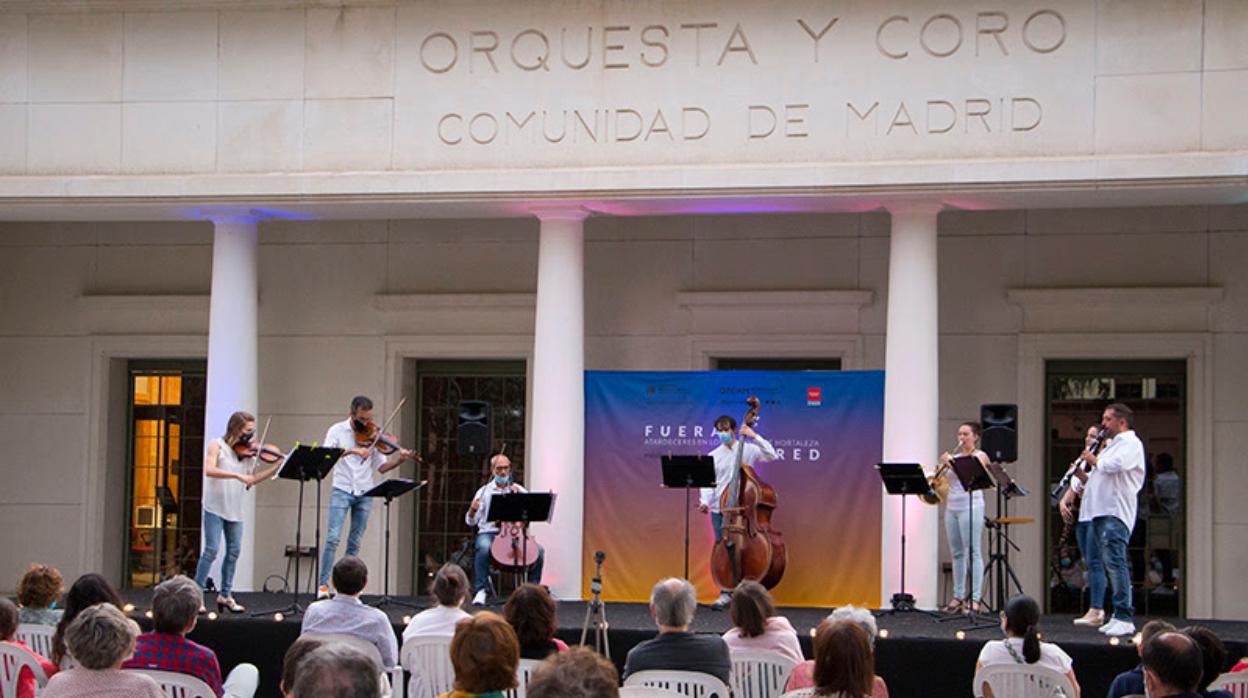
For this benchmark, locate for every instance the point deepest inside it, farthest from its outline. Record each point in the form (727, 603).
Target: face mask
(724, 437)
(502, 480)
(245, 437)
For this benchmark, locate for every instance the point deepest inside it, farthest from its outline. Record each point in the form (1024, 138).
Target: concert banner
(828, 429)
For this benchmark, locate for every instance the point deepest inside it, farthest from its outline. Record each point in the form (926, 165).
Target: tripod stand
(596, 611)
(998, 570)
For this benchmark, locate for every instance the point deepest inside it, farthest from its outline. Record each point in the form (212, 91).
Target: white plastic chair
(523, 671)
(760, 674)
(177, 685)
(1022, 681)
(693, 684)
(1236, 683)
(799, 693)
(429, 661)
(12, 659)
(648, 692)
(391, 677)
(37, 637)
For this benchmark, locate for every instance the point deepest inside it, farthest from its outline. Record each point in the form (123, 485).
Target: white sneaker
(1118, 628)
(322, 592)
(479, 599)
(723, 601)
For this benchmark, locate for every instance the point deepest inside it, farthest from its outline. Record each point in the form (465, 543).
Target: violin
(750, 548)
(369, 435)
(265, 453)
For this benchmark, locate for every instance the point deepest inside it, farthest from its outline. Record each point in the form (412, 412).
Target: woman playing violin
(353, 476)
(478, 515)
(228, 472)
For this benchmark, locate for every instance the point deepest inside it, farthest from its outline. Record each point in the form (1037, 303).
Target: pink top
(26, 680)
(803, 676)
(103, 683)
(779, 637)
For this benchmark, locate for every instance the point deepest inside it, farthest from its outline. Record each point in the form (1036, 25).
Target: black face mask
(246, 437)
(358, 425)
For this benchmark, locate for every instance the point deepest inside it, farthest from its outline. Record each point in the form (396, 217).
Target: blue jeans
(957, 523)
(339, 504)
(481, 563)
(1113, 536)
(214, 526)
(1090, 548)
(717, 524)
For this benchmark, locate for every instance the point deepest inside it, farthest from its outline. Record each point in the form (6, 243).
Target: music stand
(688, 472)
(390, 490)
(904, 479)
(998, 568)
(522, 508)
(973, 477)
(303, 464)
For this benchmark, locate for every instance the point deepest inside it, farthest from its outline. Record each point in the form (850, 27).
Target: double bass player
(726, 457)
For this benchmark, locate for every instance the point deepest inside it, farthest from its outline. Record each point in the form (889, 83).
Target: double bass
(749, 548)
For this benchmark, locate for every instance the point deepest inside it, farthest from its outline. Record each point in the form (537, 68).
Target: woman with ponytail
(1022, 643)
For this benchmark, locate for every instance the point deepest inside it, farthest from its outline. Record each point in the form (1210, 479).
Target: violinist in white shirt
(478, 515)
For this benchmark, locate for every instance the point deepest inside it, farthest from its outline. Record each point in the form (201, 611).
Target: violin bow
(259, 444)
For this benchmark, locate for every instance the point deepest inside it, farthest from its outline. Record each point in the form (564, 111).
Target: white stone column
(232, 349)
(556, 446)
(912, 398)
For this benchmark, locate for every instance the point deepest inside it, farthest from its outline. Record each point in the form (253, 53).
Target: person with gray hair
(336, 670)
(101, 639)
(803, 675)
(175, 611)
(672, 604)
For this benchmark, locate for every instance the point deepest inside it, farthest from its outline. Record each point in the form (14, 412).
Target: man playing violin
(478, 515)
(353, 476)
(725, 455)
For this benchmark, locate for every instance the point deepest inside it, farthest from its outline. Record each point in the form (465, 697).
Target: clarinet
(1058, 490)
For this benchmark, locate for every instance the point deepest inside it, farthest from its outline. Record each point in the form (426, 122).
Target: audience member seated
(1131, 683)
(89, 590)
(672, 604)
(175, 610)
(40, 587)
(346, 614)
(290, 662)
(336, 670)
(755, 625)
(803, 675)
(1022, 643)
(578, 673)
(1213, 656)
(450, 589)
(101, 639)
(1172, 666)
(8, 631)
(844, 662)
(532, 613)
(485, 654)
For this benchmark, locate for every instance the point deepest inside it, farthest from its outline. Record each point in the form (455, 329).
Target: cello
(749, 548)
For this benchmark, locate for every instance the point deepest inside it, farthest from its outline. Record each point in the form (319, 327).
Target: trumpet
(938, 484)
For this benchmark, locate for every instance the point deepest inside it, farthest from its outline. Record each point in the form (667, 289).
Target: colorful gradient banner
(828, 428)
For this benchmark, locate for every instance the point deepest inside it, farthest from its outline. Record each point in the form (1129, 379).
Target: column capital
(231, 215)
(928, 206)
(559, 212)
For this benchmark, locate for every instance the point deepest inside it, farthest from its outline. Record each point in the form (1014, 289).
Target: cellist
(725, 455)
(478, 515)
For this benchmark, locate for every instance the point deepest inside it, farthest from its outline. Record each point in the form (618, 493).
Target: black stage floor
(918, 658)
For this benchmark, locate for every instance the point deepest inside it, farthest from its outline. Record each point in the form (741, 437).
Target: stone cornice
(773, 299)
(1194, 296)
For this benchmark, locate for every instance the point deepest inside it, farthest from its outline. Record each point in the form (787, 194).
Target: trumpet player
(964, 525)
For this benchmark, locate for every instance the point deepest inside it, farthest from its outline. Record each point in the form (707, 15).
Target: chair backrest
(37, 637)
(648, 692)
(1022, 681)
(760, 674)
(12, 659)
(177, 685)
(523, 671)
(429, 661)
(799, 693)
(1234, 683)
(694, 684)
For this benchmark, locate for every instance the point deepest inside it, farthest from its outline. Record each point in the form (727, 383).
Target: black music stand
(688, 472)
(523, 508)
(390, 490)
(303, 464)
(904, 479)
(973, 477)
(998, 568)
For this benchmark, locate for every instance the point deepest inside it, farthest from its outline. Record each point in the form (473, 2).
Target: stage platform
(918, 657)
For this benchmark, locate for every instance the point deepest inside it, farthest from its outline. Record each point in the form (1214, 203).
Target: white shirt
(779, 637)
(224, 497)
(438, 621)
(352, 474)
(485, 494)
(959, 499)
(1113, 486)
(726, 466)
(1051, 656)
